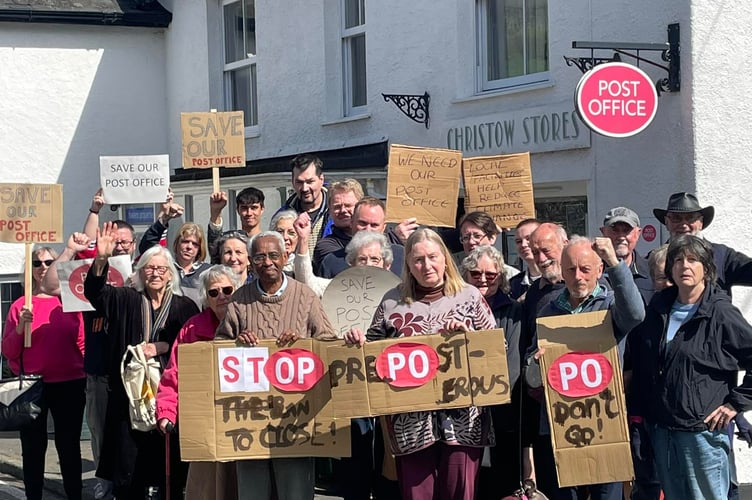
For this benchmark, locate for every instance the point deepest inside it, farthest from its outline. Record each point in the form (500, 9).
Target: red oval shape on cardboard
(579, 374)
(407, 364)
(294, 370)
(78, 275)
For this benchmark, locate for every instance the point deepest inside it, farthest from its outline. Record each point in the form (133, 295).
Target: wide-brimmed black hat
(685, 202)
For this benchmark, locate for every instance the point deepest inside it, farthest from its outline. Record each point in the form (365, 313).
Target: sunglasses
(490, 276)
(214, 292)
(38, 263)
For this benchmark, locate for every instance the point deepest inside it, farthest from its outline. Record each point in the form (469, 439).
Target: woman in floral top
(438, 452)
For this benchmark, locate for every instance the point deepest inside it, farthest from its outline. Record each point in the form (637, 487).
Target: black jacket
(679, 383)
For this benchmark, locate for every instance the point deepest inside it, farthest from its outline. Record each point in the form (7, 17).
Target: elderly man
(519, 283)
(369, 215)
(343, 196)
(582, 263)
(546, 245)
(684, 215)
(622, 226)
(274, 306)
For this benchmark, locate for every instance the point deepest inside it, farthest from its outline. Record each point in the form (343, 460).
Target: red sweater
(200, 327)
(57, 341)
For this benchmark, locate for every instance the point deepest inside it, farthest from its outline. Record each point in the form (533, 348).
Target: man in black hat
(684, 215)
(622, 226)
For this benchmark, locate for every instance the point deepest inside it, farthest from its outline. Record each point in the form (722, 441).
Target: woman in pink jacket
(216, 286)
(57, 354)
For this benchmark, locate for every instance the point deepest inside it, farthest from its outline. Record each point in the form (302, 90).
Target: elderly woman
(484, 269)
(56, 353)
(282, 223)
(438, 452)
(205, 479)
(232, 248)
(151, 313)
(688, 353)
(366, 248)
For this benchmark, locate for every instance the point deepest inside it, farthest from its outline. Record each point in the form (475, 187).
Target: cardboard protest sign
(134, 179)
(422, 372)
(423, 183)
(73, 273)
(257, 402)
(501, 186)
(585, 399)
(213, 139)
(31, 213)
(353, 295)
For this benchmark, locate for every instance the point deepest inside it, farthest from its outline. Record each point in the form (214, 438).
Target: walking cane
(168, 430)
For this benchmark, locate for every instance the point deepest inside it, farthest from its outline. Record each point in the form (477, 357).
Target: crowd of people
(681, 343)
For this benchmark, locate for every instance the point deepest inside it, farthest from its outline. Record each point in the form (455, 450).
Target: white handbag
(141, 379)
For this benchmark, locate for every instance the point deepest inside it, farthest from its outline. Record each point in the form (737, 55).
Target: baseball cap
(621, 214)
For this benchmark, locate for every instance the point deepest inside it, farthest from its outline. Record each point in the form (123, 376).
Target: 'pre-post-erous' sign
(213, 139)
(31, 213)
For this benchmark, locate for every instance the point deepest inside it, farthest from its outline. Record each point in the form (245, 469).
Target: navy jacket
(679, 383)
(334, 263)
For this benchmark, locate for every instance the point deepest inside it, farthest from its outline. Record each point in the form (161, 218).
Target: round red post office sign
(616, 99)
(649, 232)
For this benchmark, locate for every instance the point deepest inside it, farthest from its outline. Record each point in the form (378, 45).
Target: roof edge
(147, 19)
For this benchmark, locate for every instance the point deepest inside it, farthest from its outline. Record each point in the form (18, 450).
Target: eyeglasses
(290, 233)
(160, 270)
(214, 292)
(686, 218)
(472, 237)
(38, 263)
(490, 276)
(236, 233)
(376, 261)
(260, 258)
(123, 243)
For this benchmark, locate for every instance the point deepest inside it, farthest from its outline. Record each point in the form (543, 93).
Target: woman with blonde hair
(438, 452)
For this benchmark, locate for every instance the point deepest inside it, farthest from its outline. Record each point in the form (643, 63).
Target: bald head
(547, 243)
(581, 268)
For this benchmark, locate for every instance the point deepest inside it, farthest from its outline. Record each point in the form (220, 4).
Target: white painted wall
(70, 94)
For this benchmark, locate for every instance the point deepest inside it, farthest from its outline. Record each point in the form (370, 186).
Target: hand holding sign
(24, 318)
(217, 203)
(248, 337)
(287, 337)
(355, 336)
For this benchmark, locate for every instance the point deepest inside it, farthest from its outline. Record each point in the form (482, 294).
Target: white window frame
(348, 34)
(227, 68)
(483, 83)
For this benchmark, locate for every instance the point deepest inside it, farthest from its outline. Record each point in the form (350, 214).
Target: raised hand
(217, 202)
(78, 242)
(97, 202)
(106, 240)
(605, 250)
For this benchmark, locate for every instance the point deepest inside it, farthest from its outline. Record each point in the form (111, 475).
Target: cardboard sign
(423, 183)
(134, 179)
(353, 295)
(31, 213)
(585, 399)
(73, 273)
(213, 139)
(257, 402)
(423, 372)
(501, 186)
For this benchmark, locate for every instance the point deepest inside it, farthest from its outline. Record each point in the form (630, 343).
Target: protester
(57, 354)
(214, 480)
(547, 242)
(582, 263)
(438, 452)
(249, 204)
(274, 307)
(343, 196)
(484, 269)
(232, 248)
(478, 228)
(687, 356)
(657, 265)
(519, 283)
(282, 223)
(684, 215)
(135, 460)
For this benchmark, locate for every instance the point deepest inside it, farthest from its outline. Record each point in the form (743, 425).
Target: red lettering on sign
(294, 370)
(230, 365)
(407, 364)
(649, 232)
(579, 374)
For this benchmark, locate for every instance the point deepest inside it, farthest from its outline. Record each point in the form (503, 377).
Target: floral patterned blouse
(414, 431)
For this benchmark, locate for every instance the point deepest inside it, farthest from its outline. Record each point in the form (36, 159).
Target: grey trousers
(293, 479)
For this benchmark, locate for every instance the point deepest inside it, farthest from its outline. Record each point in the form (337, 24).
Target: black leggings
(65, 401)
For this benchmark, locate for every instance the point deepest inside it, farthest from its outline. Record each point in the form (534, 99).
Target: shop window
(239, 21)
(354, 57)
(512, 39)
(9, 292)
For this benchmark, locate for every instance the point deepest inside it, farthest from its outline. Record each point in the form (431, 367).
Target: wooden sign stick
(215, 170)
(27, 293)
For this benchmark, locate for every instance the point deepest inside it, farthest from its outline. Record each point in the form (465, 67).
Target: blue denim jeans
(692, 465)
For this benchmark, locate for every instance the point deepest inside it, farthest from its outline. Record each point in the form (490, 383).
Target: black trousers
(65, 401)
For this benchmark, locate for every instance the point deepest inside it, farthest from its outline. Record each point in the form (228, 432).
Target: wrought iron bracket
(669, 54)
(414, 107)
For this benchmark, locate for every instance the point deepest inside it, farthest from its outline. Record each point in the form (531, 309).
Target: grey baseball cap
(621, 214)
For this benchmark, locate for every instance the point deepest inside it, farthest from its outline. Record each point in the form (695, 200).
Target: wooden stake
(215, 170)
(27, 293)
